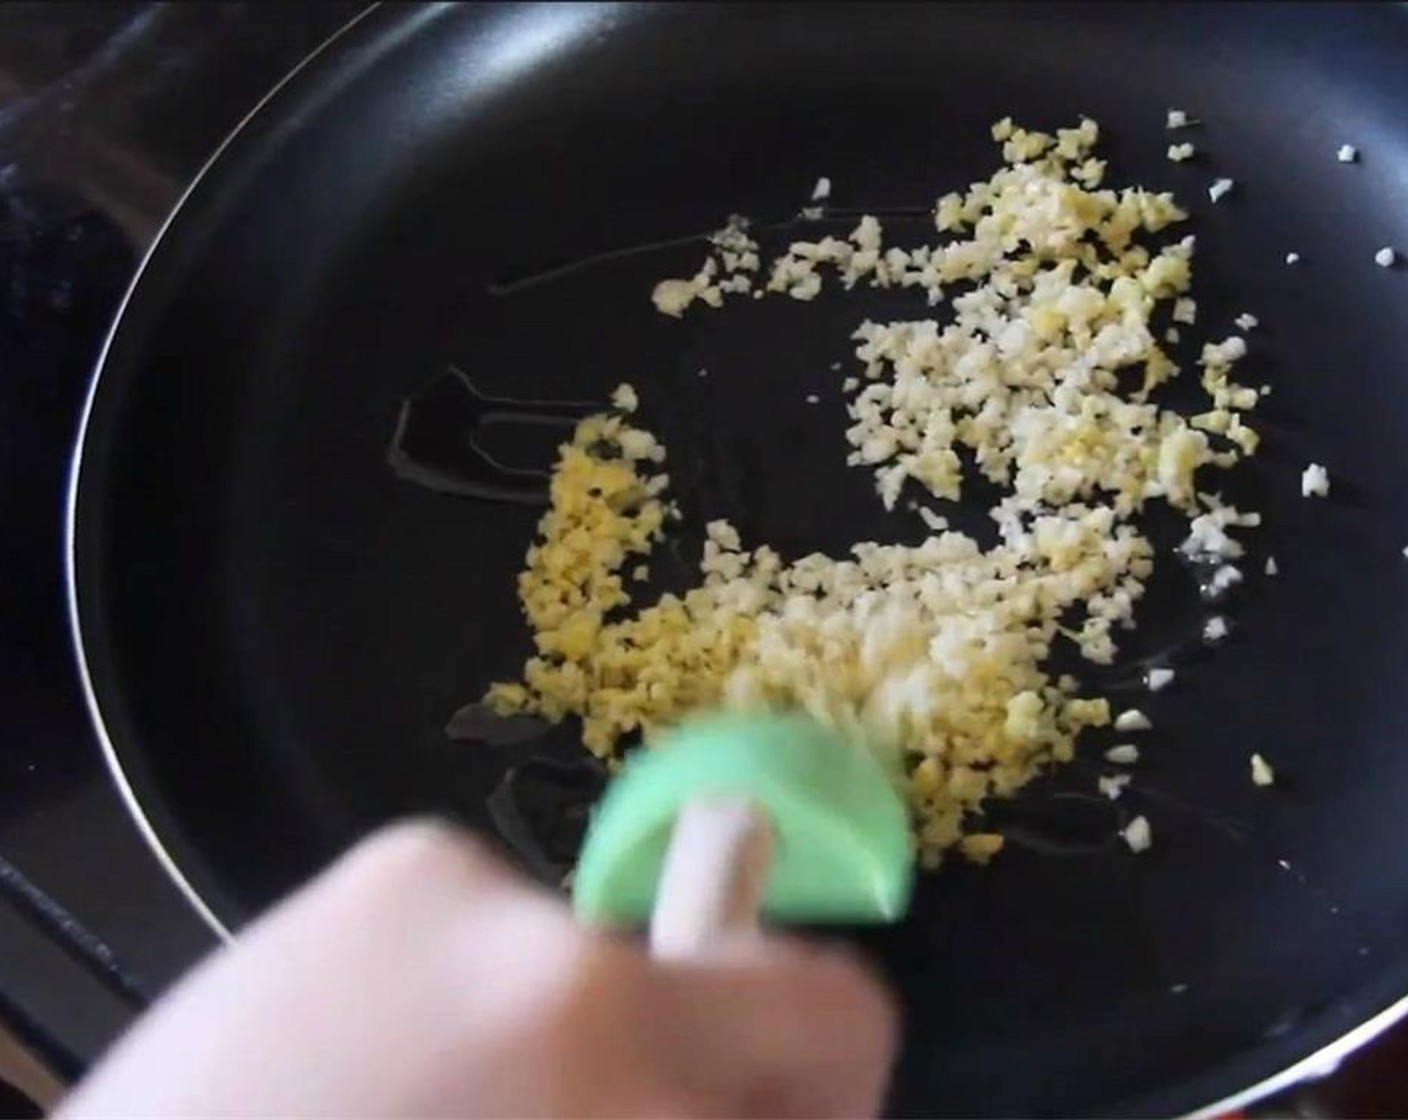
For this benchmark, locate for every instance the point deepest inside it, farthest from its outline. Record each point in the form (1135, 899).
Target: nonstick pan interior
(276, 628)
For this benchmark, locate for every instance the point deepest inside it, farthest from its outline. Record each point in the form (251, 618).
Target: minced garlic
(1132, 720)
(1138, 835)
(933, 654)
(1315, 482)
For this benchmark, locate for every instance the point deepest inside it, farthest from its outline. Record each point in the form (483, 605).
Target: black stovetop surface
(106, 112)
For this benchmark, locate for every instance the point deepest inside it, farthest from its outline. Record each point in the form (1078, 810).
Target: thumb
(775, 1028)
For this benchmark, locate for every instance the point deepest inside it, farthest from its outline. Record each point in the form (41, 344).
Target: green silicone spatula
(729, 818)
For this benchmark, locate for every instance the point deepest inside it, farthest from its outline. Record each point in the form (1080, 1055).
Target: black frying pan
(275, 626)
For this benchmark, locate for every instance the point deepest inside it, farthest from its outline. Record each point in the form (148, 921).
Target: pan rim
(112, 761)
(1314, 1066)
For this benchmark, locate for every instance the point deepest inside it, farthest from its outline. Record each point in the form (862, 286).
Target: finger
(345, 998)
(780, 1029)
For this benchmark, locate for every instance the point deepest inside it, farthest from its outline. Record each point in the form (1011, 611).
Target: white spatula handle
(712, 884)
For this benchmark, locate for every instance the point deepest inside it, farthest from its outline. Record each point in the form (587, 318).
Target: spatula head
(842, 850)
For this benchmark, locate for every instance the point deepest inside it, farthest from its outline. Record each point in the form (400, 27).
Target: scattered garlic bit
(1385, 257)
(1132, 720)
(980, 847)
(1219, 188)
(1348, 153)
(1229, 398)
(1089, 174)
(1185, 311)
(1126, 754)
(822, 190)
(1177, 118)
(1223, 580)
(861, 255)
(736, 250)
(1314, 481)
(1292, 258)
(673, 297)
(726, 271)
(1179, 153)
(1208, 539)
(810, 214)
(1171, 336)
(934, 654)
(1138, 835)
(1158, 679)
(1272, 568)
(1224, 353)
(624, 397)
(1112, 785)
(641, 572)
(812, 398)
(807, 286)
(1405, 552)
(1262, 773)
(935, 522)
(703, 373)
(1246, 321)
(1215, 629)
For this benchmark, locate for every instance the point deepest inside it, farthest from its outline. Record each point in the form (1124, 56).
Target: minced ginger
(932, 654)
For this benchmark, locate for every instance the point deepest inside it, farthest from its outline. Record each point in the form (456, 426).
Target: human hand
(420, 976)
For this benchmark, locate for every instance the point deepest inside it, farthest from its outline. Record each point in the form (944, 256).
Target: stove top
(106, 112)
